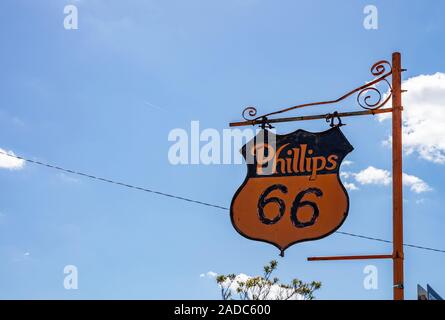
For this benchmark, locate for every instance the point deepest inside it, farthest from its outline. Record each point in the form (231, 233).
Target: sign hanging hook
(265, 123)
(331, 117)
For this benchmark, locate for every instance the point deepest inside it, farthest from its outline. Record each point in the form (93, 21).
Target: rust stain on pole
(397, 195)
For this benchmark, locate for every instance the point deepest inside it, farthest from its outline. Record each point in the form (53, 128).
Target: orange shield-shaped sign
(292, 191)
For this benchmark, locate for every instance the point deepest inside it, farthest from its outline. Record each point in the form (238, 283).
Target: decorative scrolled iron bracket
(368, 97)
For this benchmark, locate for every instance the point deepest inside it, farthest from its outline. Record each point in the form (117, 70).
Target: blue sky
(102, 99)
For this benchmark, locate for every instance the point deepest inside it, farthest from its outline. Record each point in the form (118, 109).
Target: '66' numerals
(296, 205)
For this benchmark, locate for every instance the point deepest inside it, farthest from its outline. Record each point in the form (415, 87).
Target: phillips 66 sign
(292, 191)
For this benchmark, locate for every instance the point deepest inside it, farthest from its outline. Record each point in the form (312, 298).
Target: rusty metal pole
(397, 196)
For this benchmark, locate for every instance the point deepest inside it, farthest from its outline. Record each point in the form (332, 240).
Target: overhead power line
(90, 176)
(113, 181)
(387, 241)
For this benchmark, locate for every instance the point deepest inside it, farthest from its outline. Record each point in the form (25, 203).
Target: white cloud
(209, 274)
(7, 162)
(212, 274)
(350, 186)
(415, 184)
(424, 117)
(276, 292)
(345, 174)
(373, 175)
(347, 163)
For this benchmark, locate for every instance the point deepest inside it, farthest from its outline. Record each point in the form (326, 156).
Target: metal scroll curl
(369, 95)
(379, 68)
(371, 98)
(251, 113)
